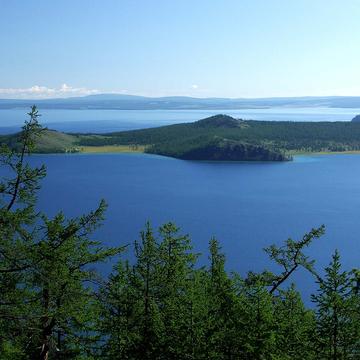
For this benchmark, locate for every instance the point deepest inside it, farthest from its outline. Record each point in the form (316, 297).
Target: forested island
(219, 137)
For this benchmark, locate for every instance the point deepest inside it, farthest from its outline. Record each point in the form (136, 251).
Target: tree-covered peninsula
(219, 137)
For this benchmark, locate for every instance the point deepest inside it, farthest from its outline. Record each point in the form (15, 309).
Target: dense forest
(162, 305)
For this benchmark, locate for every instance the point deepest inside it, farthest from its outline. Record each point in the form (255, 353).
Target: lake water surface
(247, 206)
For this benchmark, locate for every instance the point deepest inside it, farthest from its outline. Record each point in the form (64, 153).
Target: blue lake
(247, 206)
(116, 120)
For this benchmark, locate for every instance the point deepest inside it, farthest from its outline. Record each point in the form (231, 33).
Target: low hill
(51, 140)
(356, 118)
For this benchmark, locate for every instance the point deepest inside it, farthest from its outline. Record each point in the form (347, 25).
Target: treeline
(162, 305)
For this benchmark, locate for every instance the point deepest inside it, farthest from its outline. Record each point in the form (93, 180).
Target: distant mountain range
(132, 102)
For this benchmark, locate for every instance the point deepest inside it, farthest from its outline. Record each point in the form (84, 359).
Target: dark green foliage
(338, 322)
(258, 334)
(220, 325)
(294, 327)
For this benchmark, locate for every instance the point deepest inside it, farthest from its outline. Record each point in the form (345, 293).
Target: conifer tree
(117, 322)
(294, 326)
(18, 188)
(337, 335)
(220, 299)
(146, 282)
(175, 268)
(196, 340)
(256, 316)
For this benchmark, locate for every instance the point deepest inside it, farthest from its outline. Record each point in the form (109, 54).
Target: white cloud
(194, 86)
(44, 92)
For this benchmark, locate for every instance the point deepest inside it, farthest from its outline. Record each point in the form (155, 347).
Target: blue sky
(229, 48)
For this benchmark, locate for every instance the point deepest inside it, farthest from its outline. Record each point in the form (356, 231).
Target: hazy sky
(230, 48)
